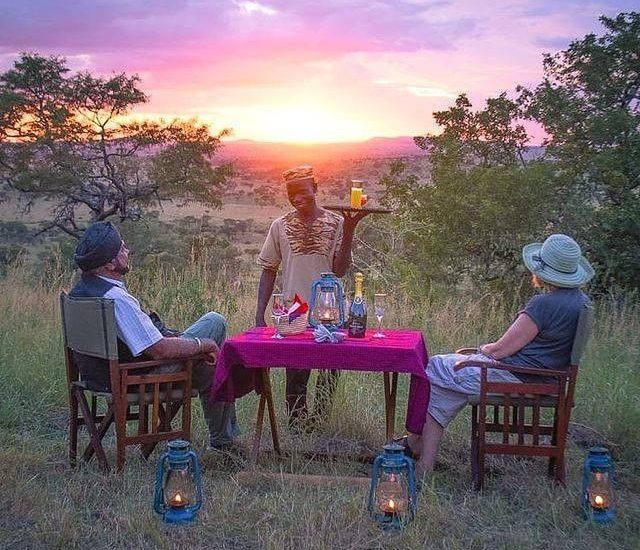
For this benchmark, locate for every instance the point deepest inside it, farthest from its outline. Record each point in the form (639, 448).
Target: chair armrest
(510, 368)
(156, 363)
(467, 351)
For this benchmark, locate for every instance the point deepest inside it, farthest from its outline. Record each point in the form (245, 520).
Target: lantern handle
(374, 480)
(158, 498)
(196, 469)
(412, 487)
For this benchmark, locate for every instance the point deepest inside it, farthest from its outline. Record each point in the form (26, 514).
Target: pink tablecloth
(402, 351)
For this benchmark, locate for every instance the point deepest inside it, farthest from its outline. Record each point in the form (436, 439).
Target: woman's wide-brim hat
(558, 261)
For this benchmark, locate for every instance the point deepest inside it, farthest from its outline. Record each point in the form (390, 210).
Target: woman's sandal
(404, 442)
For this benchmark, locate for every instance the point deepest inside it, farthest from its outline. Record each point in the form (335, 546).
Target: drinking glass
(378, 309)
(278, 311)
(356, 194)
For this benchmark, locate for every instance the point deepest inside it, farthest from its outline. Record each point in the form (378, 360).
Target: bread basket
(286, 328)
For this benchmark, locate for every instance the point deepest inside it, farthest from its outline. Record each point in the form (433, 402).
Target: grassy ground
(48, 505)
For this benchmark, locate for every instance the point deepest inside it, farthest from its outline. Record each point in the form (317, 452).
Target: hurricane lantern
(178, 492)
(327, 302)
(392, 496)
(598, 502)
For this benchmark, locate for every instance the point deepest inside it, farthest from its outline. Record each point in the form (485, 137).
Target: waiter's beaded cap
(299, 173)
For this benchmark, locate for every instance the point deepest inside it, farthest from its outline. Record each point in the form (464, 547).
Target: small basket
(297, 326)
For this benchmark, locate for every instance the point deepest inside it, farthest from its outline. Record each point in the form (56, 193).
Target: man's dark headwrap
(99, 245)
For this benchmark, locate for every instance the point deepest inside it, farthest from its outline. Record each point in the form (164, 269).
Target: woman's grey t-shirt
(556, 315)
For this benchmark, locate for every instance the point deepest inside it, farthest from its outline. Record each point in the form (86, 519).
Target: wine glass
(378, 309)
(278, 311)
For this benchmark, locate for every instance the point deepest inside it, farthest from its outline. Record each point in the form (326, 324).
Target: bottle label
(357, 328)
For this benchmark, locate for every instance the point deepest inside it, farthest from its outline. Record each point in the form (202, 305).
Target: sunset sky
(308, 70)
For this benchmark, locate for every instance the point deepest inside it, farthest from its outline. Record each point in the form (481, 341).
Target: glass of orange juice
(356, 193)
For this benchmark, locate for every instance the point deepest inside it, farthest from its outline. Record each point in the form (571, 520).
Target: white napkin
(323, 334)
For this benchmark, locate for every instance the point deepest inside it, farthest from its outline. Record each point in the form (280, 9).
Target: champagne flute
(378, 309)
(278, 311)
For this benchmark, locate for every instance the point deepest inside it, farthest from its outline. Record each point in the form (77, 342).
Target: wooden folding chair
(521, 425)
(147, 401)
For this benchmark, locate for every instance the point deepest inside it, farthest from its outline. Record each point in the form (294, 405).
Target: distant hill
(289, 152)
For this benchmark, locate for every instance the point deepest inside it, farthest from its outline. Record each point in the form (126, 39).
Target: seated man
(102, 256)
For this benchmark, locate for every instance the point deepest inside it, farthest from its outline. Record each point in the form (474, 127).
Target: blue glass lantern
(392, 496)
(178, 493)
(327, 302)
(598, 502)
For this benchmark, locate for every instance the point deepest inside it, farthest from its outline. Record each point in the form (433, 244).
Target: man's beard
(122, 269)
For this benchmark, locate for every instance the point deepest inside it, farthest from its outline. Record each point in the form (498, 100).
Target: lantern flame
(599, 500)
(392, 504)
(178, 501)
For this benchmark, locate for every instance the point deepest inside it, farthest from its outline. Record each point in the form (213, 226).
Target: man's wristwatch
(199, 342)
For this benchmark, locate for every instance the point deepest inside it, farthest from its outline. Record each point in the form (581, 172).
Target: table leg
(390, 394)
(266, 384)
(258, 431)
(266, 398)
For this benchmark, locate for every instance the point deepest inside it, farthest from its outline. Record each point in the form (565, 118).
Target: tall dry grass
(47, 505)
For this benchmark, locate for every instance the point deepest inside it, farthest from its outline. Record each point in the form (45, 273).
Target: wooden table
(245, 359)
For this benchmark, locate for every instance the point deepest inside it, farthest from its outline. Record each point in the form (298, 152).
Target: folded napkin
(299, 307)
(323, 334)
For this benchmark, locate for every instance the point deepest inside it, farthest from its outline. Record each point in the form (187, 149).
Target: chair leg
(560, 471)
(561, 443)
(73, 428)
(101, 430)
(481, 457)
(474, 446)
(481, 434)
(121, 433)
(552, 467)
(96, 439)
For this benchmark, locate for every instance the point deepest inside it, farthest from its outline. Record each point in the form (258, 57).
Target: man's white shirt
(134, 326)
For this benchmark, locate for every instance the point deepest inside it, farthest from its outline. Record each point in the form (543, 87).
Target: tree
(589, 104)
(485, 196)
(66, 137)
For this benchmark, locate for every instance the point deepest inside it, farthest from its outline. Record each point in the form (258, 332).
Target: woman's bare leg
(431, 437)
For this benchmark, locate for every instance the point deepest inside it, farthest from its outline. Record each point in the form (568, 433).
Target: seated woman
(541, 336)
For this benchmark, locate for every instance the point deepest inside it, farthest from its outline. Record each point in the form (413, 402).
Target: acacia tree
(589, 104)
(65, 137)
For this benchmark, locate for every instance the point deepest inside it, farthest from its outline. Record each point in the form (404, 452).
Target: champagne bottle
(357, 323)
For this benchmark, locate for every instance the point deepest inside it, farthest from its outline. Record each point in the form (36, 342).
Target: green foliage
(66, 137)
(483, 201)
(589, 104)
(489, 137)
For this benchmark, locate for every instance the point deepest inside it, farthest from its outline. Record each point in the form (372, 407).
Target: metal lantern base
(599, 516)
(178, 515)
(390, 524)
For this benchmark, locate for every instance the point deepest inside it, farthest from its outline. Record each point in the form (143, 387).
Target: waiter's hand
(351, 219)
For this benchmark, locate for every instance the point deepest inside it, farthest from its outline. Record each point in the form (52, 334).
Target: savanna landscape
(194, 204)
